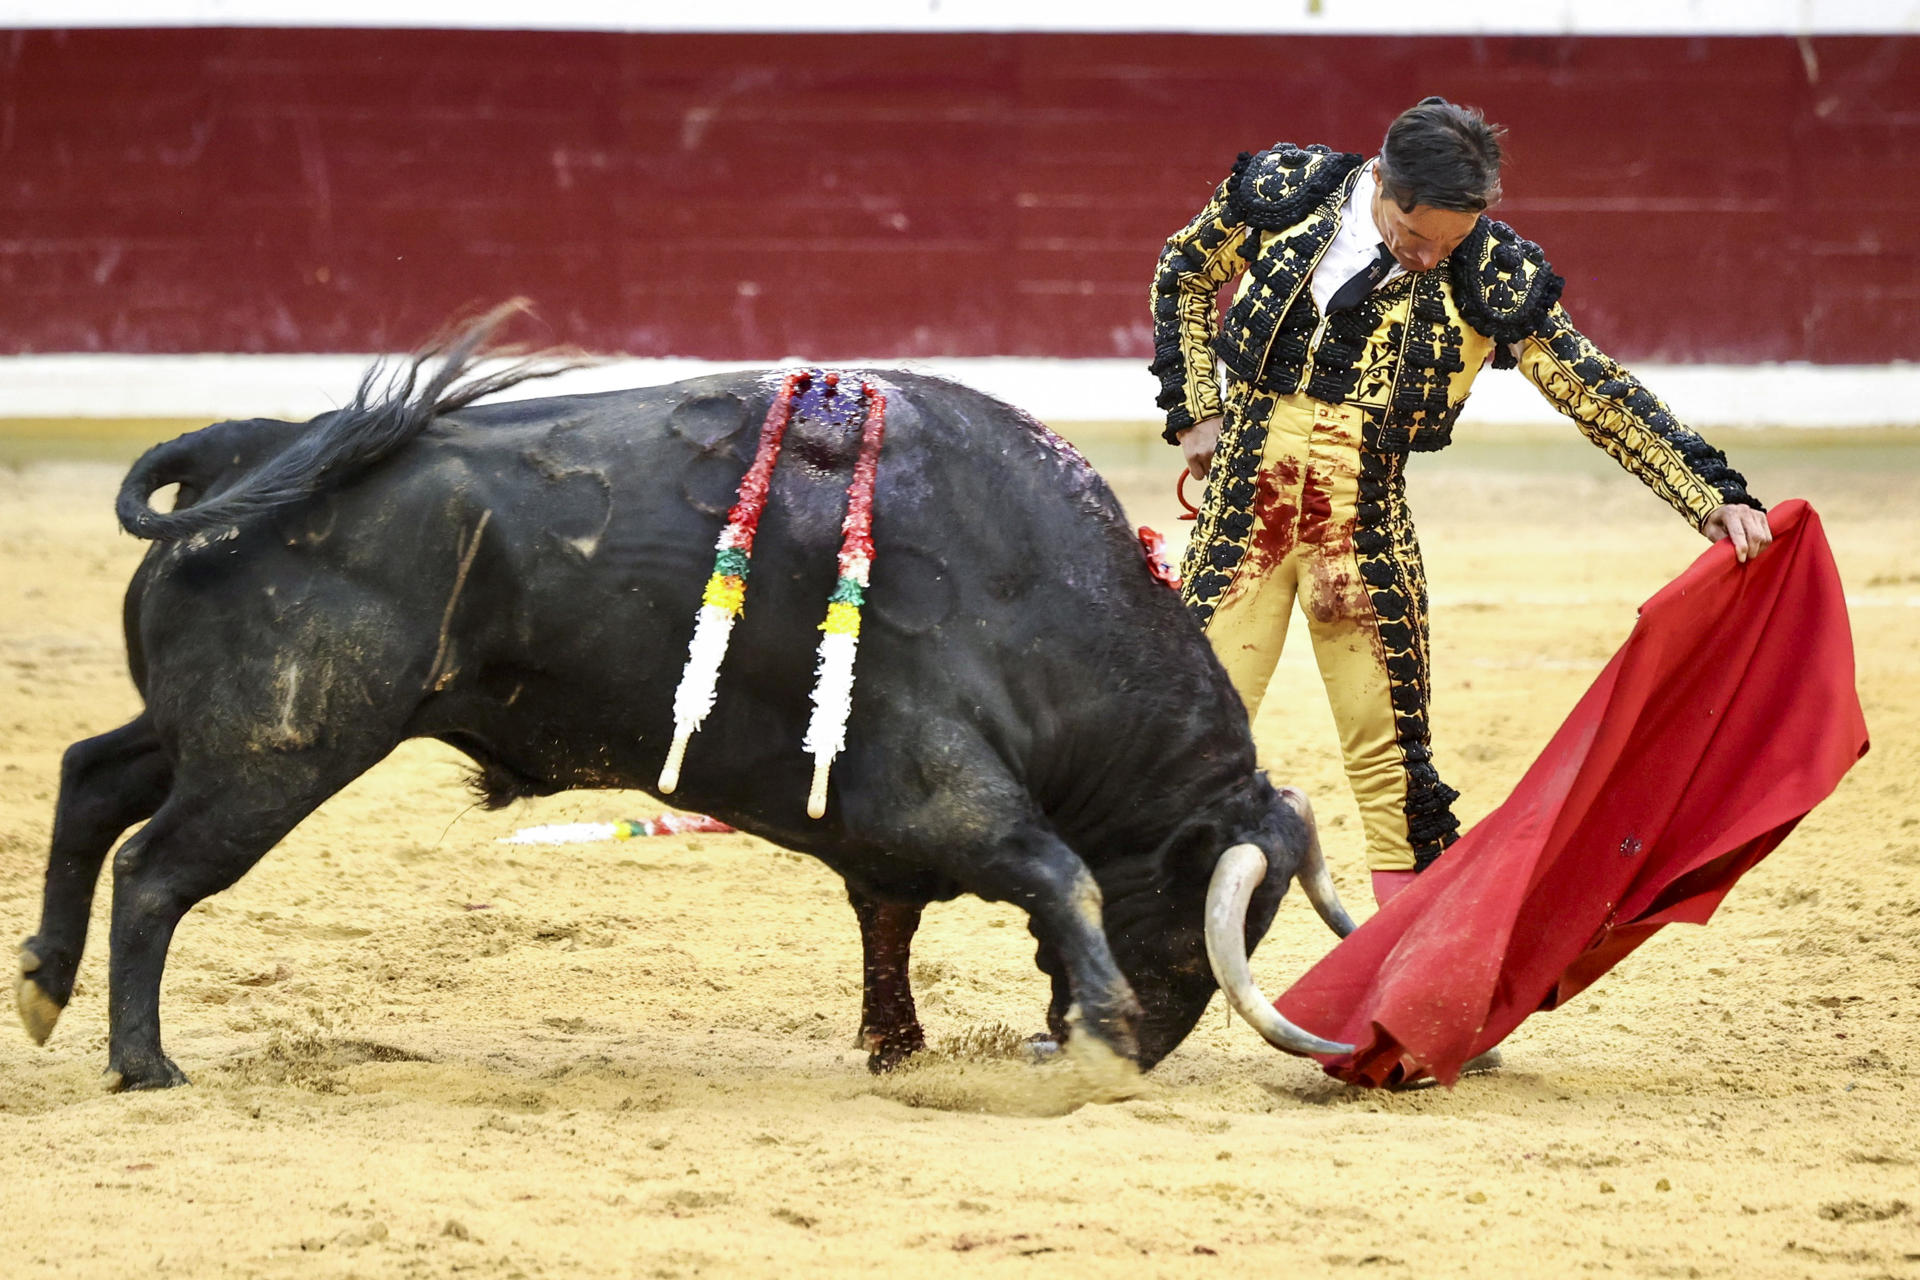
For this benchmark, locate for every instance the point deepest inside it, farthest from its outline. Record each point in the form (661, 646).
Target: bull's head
(1190, 932)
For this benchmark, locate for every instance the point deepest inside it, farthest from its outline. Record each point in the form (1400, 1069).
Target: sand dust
(418, 1052)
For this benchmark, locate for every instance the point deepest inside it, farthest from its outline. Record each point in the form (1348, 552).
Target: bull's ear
(1191, 848)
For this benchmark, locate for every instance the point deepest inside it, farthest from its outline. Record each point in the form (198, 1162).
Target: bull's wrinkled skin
(1035, 720)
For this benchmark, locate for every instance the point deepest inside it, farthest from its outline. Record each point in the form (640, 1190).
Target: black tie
(1350, 293)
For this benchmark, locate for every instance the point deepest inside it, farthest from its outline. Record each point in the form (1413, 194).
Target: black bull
(1035, 718)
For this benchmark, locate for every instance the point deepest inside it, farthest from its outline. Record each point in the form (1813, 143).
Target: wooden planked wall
(758, 196)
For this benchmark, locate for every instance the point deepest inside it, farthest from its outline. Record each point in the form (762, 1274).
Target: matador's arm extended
(1615, 411)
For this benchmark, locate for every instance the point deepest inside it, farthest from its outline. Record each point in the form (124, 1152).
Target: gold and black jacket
(1409, 352)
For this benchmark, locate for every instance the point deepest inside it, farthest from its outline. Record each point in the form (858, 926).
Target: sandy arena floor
(418, 1052)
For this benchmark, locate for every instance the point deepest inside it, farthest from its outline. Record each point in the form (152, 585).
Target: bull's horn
(1239, 870)
(1315, 880)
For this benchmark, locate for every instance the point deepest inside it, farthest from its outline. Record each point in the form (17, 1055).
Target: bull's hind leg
(889, 1026)
(206, 836)
(107, 784)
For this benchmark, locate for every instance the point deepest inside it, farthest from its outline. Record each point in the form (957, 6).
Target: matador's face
(1419, 238)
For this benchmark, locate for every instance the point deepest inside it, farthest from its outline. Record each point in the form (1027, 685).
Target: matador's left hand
(1747, 527)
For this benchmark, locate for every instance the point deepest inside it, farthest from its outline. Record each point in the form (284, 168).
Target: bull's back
(1007, 588)
(978, 517)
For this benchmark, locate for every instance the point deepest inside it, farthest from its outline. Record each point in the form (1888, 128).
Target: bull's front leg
(1037, 871)
(889, 1026)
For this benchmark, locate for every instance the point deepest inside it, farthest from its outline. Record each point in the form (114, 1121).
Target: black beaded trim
(1341, 363)
(1503, 285)
(1421, 359)
(1279, 268)
(1286, 351)
(1225, 525)
(1281, 185)
(1389, 562)
(1420, 418)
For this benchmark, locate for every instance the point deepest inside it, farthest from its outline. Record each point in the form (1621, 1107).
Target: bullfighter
(1371, 292)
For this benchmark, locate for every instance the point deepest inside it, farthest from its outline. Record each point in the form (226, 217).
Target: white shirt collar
(1355, 244)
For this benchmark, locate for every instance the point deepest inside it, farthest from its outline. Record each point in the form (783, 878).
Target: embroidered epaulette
(1283, 184)
(1503, 285)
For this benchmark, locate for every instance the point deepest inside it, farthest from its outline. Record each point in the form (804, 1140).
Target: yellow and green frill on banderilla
(843, 607)
(727, 588)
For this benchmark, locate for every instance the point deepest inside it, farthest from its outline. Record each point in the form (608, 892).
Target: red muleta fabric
(1728, 715)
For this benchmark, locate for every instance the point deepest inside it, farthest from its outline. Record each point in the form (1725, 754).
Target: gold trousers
(1296, 510)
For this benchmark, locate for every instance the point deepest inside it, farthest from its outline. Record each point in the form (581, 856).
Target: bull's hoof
(38, 1010)
(159, 1074)
(1041, 1047)
(1111, 1072)
(888, 1049)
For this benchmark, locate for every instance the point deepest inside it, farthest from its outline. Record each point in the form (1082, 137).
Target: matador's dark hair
(1442, 155)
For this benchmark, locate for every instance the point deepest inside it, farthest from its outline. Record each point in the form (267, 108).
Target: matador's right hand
(1197, 444)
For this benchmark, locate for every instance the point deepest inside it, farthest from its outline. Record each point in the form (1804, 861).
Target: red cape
(1729, 713)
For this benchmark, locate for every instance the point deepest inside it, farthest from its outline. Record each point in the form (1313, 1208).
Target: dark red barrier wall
(759, 196)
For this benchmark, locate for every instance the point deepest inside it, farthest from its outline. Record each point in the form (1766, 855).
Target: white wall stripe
(299, 386)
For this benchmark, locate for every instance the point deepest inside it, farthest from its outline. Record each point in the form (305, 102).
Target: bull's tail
(391, 407)
(177, 461)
